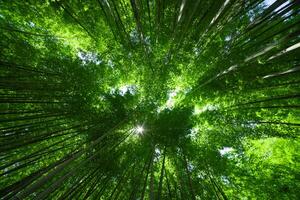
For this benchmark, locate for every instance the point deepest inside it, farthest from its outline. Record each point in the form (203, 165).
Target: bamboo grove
(149, 99)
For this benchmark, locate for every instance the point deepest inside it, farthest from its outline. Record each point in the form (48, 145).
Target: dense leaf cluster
(144, 99)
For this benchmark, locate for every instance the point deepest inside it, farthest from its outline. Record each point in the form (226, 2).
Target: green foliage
(139, 99)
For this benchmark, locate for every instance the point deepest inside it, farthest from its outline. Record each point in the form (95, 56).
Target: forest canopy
(150, 99)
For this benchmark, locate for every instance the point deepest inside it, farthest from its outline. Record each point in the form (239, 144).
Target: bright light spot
(127, 88)
(89, 57)
(269, 2)
(198, 110)
(147, 40)
(193, 133)
(225, 150)
(157, 154)
(139, 129)
(201, 174)
(227, 38)
(157, 151)
(159, 109)
(190, 166)
(196, 51)
(110, 63)
(171, 101)
(134, 36)
(122, 90)
(250, 125)
(31, 24)
(225, 180)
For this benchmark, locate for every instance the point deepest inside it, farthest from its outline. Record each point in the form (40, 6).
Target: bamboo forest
(150, 99)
